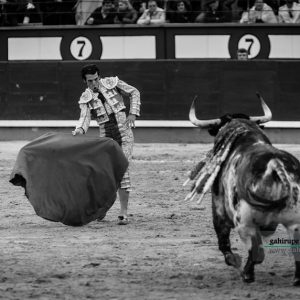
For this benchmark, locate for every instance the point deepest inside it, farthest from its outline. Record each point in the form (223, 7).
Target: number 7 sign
(257, 45)
(81, 48)
(251, 43)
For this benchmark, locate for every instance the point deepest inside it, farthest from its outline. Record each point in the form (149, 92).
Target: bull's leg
(256, 255)
(223, 227)
(297, 273)
(294, 232)
(250, 235)
(296, 254)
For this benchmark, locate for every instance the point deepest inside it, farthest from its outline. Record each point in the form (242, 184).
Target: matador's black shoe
(122, 220)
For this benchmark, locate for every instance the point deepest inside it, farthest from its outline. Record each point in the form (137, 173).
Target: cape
(70, 179)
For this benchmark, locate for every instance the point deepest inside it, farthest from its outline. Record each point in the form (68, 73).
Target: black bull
(256, 188)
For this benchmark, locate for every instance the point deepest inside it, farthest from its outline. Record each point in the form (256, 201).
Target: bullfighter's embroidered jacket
(112, 89)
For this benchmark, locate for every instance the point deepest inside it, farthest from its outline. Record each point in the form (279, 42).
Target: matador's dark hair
(89, 69)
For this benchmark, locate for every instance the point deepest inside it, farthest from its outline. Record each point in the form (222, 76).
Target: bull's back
(265, 176)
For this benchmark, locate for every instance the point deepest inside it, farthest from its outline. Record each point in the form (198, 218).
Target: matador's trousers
(123, 135)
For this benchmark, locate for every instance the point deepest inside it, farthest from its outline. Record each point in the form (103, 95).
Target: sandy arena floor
(168, 251)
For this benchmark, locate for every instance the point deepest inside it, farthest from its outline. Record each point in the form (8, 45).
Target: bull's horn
(201, 123)
(268, 114)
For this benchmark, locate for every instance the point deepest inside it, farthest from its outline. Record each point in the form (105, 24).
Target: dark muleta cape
(70, 179)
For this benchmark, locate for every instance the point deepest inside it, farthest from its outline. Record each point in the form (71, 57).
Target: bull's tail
(272, 190)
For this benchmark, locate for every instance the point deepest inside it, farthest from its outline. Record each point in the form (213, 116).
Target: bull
(254, 186)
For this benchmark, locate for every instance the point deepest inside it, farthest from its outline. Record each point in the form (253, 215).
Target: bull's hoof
(233, 260)
(248, 278)
(296, 281)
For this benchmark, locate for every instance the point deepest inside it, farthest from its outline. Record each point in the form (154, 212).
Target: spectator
(58, 12)
(29, 12)
(242, 54)
(152, 15)
(126, 14)
(259, 13)
(84, 8)
(214, 12)
(139, 5)
(289, 13)
(8, 15)
(245, 5)
(182, 13)
(103, 15)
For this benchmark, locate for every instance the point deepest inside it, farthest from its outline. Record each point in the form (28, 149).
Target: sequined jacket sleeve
(134, 95)
(85, 117)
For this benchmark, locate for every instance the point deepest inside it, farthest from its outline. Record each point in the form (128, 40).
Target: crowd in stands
(146, 12)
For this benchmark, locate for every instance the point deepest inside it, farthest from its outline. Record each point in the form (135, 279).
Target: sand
(167, 251)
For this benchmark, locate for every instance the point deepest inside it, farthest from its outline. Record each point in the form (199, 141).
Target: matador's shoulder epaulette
(85, 97)
(109, 82)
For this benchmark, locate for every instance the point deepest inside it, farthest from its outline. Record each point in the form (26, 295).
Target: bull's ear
(201, 123)
(267, 112)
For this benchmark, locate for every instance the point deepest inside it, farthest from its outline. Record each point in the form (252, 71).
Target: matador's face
(92, 81)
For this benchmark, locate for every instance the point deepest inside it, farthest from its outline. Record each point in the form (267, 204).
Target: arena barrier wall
(51, 90)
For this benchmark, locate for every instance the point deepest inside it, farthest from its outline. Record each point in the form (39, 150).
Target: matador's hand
(130, 122)
(77, 131)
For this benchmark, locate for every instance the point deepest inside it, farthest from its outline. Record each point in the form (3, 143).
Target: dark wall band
(51, 90)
